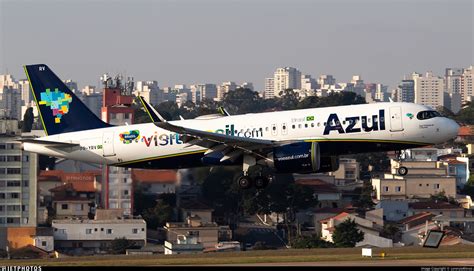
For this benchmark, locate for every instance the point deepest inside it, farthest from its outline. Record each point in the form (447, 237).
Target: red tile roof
(319, 186)
(84, 187)
(336, 217)
(154, 176)
(465, 131)
(421, 217)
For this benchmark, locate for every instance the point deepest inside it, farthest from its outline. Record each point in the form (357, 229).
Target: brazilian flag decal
(309, 118)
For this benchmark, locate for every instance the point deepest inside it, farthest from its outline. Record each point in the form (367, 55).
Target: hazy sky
(198, 41)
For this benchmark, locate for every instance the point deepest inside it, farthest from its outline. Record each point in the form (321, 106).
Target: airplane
(293, 141)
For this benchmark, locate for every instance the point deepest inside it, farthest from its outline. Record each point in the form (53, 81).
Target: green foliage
(466, 115)
(364, 202)
(390, 231)
(28, 119)
(346, 234)
(119, 245)
(468, 189)
(157, 216)
(313, 241)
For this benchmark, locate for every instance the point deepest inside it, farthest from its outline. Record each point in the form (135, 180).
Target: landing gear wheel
(261, 182)
(402, 171)
(245, 182)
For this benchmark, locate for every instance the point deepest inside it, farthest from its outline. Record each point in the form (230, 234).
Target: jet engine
(303, 157)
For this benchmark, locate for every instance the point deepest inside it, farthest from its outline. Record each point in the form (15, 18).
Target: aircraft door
(396, 124)
(108, 144)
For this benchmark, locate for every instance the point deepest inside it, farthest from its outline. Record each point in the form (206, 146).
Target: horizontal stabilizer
(46, 143)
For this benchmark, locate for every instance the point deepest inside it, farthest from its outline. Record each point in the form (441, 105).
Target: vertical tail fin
(60, 110)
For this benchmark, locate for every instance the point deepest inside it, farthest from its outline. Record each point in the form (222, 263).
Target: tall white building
(26, 96)
(326, 79)
(269, 91)
(18, 179)
(150, 91)
(308, 83)
(225, 88)
(203, 91)
(428, 89)
(10, 97)
(467, 93)
(285, 78)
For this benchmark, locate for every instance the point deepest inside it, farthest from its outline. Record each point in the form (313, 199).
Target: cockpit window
(424, 115)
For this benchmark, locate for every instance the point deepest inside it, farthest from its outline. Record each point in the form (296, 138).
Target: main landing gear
(401, 170)
(245, 181)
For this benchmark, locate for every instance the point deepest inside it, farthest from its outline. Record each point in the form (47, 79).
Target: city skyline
(209, 41)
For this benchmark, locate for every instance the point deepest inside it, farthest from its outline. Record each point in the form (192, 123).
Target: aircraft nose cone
(452, 128)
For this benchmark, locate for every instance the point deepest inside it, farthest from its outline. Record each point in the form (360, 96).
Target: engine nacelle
(302, 157)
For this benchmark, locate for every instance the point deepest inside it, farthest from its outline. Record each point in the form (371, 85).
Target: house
(348, 169)
(393, 187)
(196, 208)
(184, 244)
(20, 237)
(155, 182)
(436, 207)
(393, 210)
(465, 134)
(370, 228)
(411, 226)
(459, 168)
(207, 233)
(327, 194)
(74, 200)
(97, 234)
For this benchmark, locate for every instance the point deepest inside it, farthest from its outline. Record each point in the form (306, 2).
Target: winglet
(223, 111)
(152, 113)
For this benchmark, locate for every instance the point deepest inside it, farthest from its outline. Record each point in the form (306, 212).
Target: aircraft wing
(234, 146)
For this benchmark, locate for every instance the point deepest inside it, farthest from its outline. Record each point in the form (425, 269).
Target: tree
(289, 99)
(364, 202)
(157, 216)
(346, 234)
(390, 231)
(120, 245)
(28, 119)
(313, 241)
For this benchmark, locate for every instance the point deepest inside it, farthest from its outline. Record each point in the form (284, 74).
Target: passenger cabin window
(424, 115)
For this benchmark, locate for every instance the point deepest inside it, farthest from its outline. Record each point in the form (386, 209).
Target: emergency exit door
(108, 144)
(396, 123)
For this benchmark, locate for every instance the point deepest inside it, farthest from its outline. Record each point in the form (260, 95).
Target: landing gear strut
(245, 181)
(402, 171)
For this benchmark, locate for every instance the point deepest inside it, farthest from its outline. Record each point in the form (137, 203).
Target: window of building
(44, 243)
(109, 231)
(436, 185)
(293, 126)
(88, 231)
(2, 195)
(26, 183)
(134, 231)
(385, 188)
(13, 158)
(305, 125)
(13, 183)
(143, 229)
(420, 185)
(398, 188)
(14, 195)
(64, 206)
(124, 180)
(13, 171)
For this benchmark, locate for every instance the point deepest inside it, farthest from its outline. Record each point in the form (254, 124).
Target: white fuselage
(121, 145)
